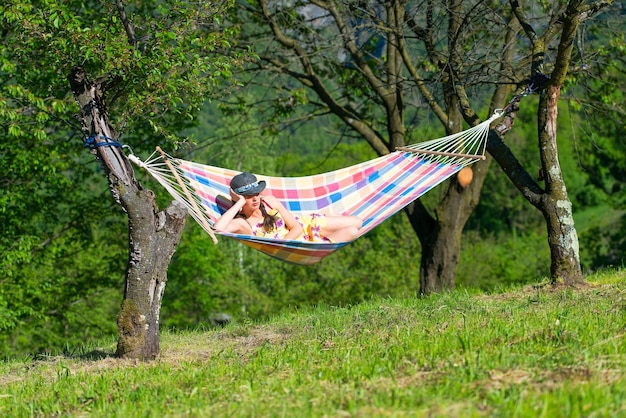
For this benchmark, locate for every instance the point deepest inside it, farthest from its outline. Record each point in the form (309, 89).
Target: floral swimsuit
(311, 224)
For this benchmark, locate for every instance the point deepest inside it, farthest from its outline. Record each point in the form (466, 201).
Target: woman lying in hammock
(264, 216)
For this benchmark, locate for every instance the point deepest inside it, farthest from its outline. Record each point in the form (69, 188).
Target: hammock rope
(108, 142)
(372, 190)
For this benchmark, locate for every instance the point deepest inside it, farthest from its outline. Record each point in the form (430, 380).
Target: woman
(265, 216)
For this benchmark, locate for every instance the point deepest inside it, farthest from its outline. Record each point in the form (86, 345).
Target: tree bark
(153, 238)
(555, 204)
(441, 239)
(153, 235)
(552, 201)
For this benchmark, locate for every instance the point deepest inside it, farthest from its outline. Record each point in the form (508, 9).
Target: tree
(390, 63)
(552, 200)
(144, 69)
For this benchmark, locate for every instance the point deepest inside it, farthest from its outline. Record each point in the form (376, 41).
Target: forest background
(64, 244)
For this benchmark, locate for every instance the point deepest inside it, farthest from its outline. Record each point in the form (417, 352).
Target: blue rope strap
(108, 142)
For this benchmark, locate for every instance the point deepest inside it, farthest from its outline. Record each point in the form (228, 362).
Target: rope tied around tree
(92, 144)
(536, 83)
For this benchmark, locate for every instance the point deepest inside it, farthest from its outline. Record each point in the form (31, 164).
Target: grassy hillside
(525, 352)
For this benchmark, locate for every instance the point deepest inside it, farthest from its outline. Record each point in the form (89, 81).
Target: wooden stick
(447, 154)
(182, 184)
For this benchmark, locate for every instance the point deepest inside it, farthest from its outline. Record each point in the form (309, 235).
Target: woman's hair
(269, 221)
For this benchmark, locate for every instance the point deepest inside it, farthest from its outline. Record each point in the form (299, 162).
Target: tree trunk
(441, 236)
(552, 201)
(440, 250)
(153, 236)
(555, 204)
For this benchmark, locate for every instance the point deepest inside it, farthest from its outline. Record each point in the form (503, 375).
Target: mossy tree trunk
(153, 235)
(555, 204)
(552, 200)
(153, 238)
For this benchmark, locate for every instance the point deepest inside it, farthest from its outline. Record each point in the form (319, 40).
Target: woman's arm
(291, 223)
(228, 223)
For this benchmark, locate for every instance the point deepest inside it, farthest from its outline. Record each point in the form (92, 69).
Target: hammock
(373, 190)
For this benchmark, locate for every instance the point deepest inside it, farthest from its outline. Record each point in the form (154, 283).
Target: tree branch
(419, 81)
(311, 80)
(128, 26)
(510, 165)
(97, 127)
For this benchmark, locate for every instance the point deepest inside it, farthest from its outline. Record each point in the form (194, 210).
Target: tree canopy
(154, 64)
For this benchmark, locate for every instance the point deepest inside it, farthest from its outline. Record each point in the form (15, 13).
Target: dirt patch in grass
(547, 379)
(534, 291)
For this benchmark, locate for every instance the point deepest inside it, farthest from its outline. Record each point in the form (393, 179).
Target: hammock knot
(536, 83)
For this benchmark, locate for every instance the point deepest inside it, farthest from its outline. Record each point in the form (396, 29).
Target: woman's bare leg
(342, 228)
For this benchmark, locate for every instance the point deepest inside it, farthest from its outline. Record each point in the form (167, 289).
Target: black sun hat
(246, 184)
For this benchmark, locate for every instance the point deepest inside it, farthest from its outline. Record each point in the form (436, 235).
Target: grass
(529, 351)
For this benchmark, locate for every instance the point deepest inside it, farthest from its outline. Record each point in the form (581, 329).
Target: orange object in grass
(465, 176)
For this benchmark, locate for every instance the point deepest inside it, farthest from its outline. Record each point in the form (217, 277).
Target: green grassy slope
(531, 351)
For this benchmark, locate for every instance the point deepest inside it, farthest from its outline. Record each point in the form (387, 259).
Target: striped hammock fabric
(373, 190)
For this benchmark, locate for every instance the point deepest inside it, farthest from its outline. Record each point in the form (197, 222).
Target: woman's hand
(228, 223)
(234, 196)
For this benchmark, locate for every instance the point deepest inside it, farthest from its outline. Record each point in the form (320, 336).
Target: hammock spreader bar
(373, 190)
(188, 195)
